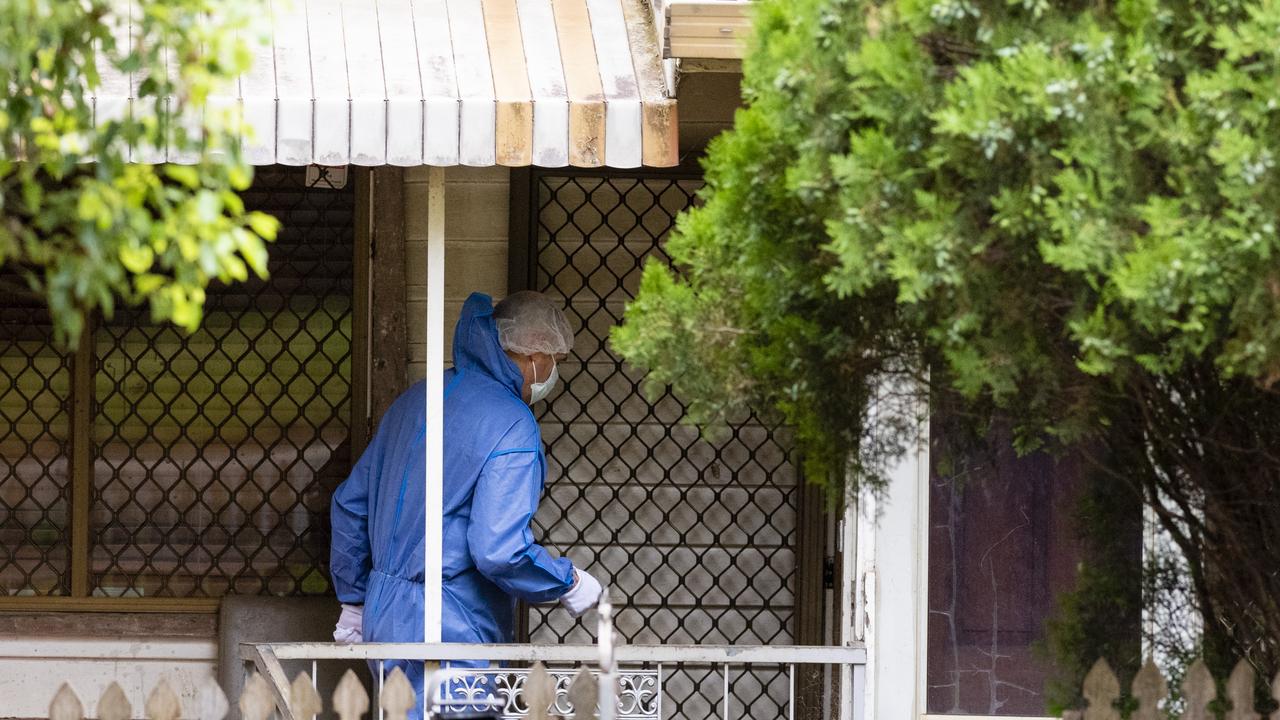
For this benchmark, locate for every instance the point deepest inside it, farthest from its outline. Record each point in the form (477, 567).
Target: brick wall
(476, 206)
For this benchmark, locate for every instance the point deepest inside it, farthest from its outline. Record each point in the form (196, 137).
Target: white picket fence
(1150, 690)
(350, 700)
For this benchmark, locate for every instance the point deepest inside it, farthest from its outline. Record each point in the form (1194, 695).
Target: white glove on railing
(584, 594)
(350, 627)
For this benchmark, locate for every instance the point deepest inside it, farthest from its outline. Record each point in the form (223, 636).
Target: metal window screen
(35, 381)
(697, 541)
(216, 452)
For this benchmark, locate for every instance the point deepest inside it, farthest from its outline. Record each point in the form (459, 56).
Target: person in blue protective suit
(504, 360)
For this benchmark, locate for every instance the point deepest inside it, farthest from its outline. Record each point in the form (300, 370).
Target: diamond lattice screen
(216, 452)
(35, 382)
(696, 540)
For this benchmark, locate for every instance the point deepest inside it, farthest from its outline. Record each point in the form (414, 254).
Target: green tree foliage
(1102, 616)
(83, 224)
(1065, 210)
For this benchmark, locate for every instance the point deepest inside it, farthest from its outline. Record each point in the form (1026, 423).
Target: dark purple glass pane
(1002, 547)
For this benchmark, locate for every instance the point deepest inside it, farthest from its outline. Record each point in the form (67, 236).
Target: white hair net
(528, 322)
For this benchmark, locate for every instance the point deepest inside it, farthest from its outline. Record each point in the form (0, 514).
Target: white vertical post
(607, 691)
(726, 691)
(791, 691)
(660, 689)
(893, 547)
(860, 691)
(848, 547)
(433, 544)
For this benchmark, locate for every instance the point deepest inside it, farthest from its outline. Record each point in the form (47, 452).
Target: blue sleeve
(501, 543)
(350, 558)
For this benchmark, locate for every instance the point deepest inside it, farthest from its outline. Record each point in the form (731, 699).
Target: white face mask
(539, 391)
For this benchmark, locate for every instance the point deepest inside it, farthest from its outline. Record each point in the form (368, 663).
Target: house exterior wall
(476, 201)
(41, 651)
(32, 669)
(35, 661)
(707, 103)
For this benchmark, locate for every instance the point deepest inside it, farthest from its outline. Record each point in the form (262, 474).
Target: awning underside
(449, 82)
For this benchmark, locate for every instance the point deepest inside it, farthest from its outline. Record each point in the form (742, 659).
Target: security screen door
(696, 541)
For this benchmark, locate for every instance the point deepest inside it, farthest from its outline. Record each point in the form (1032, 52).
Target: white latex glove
(584, 594)
(350, 627)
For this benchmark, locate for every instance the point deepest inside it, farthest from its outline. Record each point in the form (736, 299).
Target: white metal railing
(514, 694)
(728, 658)
(624, 654)
(615, 663)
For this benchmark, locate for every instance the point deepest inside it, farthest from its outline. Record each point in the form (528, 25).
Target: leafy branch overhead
(1037, 200)
(83, 224)
(1065, 212)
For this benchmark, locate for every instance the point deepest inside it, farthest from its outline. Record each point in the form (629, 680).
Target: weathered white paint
(368, 86)
(402, 83)
(658, 116)
(546, 82)
(46, 648)
(293, 91)
(224, 97)
(622, 146)
(892, 574)
(435, 82)
(354, 80)
(848, 547)
(331, 92)
(709, 654)
(477, 136)
(892, 603)
(32, 669)
(258, 101)
(442, 106)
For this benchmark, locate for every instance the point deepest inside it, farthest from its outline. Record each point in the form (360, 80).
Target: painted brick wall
(476, 207)
(33, 667)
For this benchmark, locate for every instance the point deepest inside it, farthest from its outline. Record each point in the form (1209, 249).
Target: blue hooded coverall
(494, 471)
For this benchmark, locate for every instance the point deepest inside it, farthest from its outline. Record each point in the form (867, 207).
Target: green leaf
(263, 225)
(109, 231)
(148, 283)
(137, 259)
(184, 174)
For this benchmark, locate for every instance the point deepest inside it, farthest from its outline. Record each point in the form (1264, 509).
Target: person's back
(494, 471)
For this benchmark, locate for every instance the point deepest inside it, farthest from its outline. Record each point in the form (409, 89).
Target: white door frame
(892, 597)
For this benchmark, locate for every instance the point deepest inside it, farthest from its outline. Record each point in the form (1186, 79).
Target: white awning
(450, 82)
